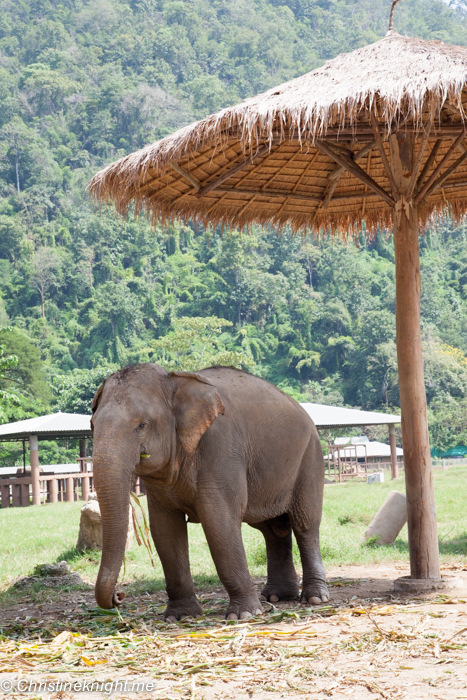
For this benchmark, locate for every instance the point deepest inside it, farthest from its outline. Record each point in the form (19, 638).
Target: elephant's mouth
(163, 475)
(146, 462)
(144, 468)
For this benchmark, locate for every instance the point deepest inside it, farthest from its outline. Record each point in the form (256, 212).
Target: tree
(12, 233)
(47, 88)
(196, 343)
(17, 136)
(74, 392)
(45, 263)
(25, 374)
(7, 362)
(86, 264)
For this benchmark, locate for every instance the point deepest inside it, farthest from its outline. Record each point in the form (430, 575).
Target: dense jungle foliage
(83, 292)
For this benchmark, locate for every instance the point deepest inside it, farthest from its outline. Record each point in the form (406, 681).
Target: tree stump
(90, 527)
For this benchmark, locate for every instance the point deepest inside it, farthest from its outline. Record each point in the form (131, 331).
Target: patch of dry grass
(278, 651)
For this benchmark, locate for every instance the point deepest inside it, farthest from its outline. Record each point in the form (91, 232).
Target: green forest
(84, 292)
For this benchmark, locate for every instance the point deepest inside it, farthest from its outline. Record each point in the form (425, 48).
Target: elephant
(218, 447)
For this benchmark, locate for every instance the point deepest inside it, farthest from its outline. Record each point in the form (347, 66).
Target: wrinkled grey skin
(224, 447)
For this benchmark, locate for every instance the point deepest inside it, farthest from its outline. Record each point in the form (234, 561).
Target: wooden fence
(17, 491)
(52, 488)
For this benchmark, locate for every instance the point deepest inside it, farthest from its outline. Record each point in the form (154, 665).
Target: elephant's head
(146, 421)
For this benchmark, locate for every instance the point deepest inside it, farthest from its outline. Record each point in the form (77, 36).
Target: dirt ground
(369, 642)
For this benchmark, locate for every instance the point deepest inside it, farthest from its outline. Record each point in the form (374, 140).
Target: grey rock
(59, 569)
(389, 520)
(73, 579)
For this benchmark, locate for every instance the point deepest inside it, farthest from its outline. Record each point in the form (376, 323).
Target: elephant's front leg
(169, 532)
(224, 536)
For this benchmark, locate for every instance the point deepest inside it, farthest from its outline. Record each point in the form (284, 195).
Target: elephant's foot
(284, 590)
(241, 608)
(315, 593)
(185, 607)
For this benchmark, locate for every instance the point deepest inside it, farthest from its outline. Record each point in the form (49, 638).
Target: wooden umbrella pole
(421, 514)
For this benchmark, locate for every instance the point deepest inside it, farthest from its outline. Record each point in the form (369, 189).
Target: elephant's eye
(141, 426)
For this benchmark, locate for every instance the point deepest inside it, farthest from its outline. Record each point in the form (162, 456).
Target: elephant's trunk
(112, 481)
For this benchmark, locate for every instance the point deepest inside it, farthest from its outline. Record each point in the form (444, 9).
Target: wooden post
(82, 454)
(392, 443)
(34, 459)
(5, 495)
(53, 491)
(85, 488)
(25, 500)
(15, 495)
(84, 468)
(423, 535)
(70, 494)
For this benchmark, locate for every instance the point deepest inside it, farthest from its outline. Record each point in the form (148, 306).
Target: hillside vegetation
(83, 292)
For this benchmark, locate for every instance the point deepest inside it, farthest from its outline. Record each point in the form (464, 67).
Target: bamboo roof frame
(294, 155)
(377, 137)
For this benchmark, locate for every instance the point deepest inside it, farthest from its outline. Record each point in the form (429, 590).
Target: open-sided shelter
(332, 417)
(49, 427)
(374, 138)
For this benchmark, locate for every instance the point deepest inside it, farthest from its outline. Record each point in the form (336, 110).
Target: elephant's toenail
(231, 616)
(325, 598)
(245, 615)
(274, 598)
(263, 598)
(314, 600)
(258, 612)
(171, 619)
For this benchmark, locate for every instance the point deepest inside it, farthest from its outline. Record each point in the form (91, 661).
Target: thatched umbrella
(374, 138)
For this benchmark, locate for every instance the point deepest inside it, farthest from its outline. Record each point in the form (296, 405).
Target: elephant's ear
(196, 404)
(95, 402)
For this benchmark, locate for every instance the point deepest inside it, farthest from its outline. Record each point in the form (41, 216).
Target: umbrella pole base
(406, 584)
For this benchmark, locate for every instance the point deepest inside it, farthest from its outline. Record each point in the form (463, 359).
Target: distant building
(361, 449)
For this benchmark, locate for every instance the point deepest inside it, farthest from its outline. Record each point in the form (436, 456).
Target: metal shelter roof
(59, 424)
(336, 417)
(54, 425)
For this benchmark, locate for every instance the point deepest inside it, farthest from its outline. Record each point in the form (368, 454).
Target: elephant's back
(247, 395)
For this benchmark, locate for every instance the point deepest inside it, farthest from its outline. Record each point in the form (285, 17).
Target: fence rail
(17, 492)
(446, 463)
(332, 470)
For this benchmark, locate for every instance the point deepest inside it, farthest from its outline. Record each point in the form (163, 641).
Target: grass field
(32, 536)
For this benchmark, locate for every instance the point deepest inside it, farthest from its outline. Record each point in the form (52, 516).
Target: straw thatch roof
(265, 159)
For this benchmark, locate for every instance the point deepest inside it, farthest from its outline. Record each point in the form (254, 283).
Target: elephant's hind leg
(282, 583)
(314, 588)
(305, 517)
